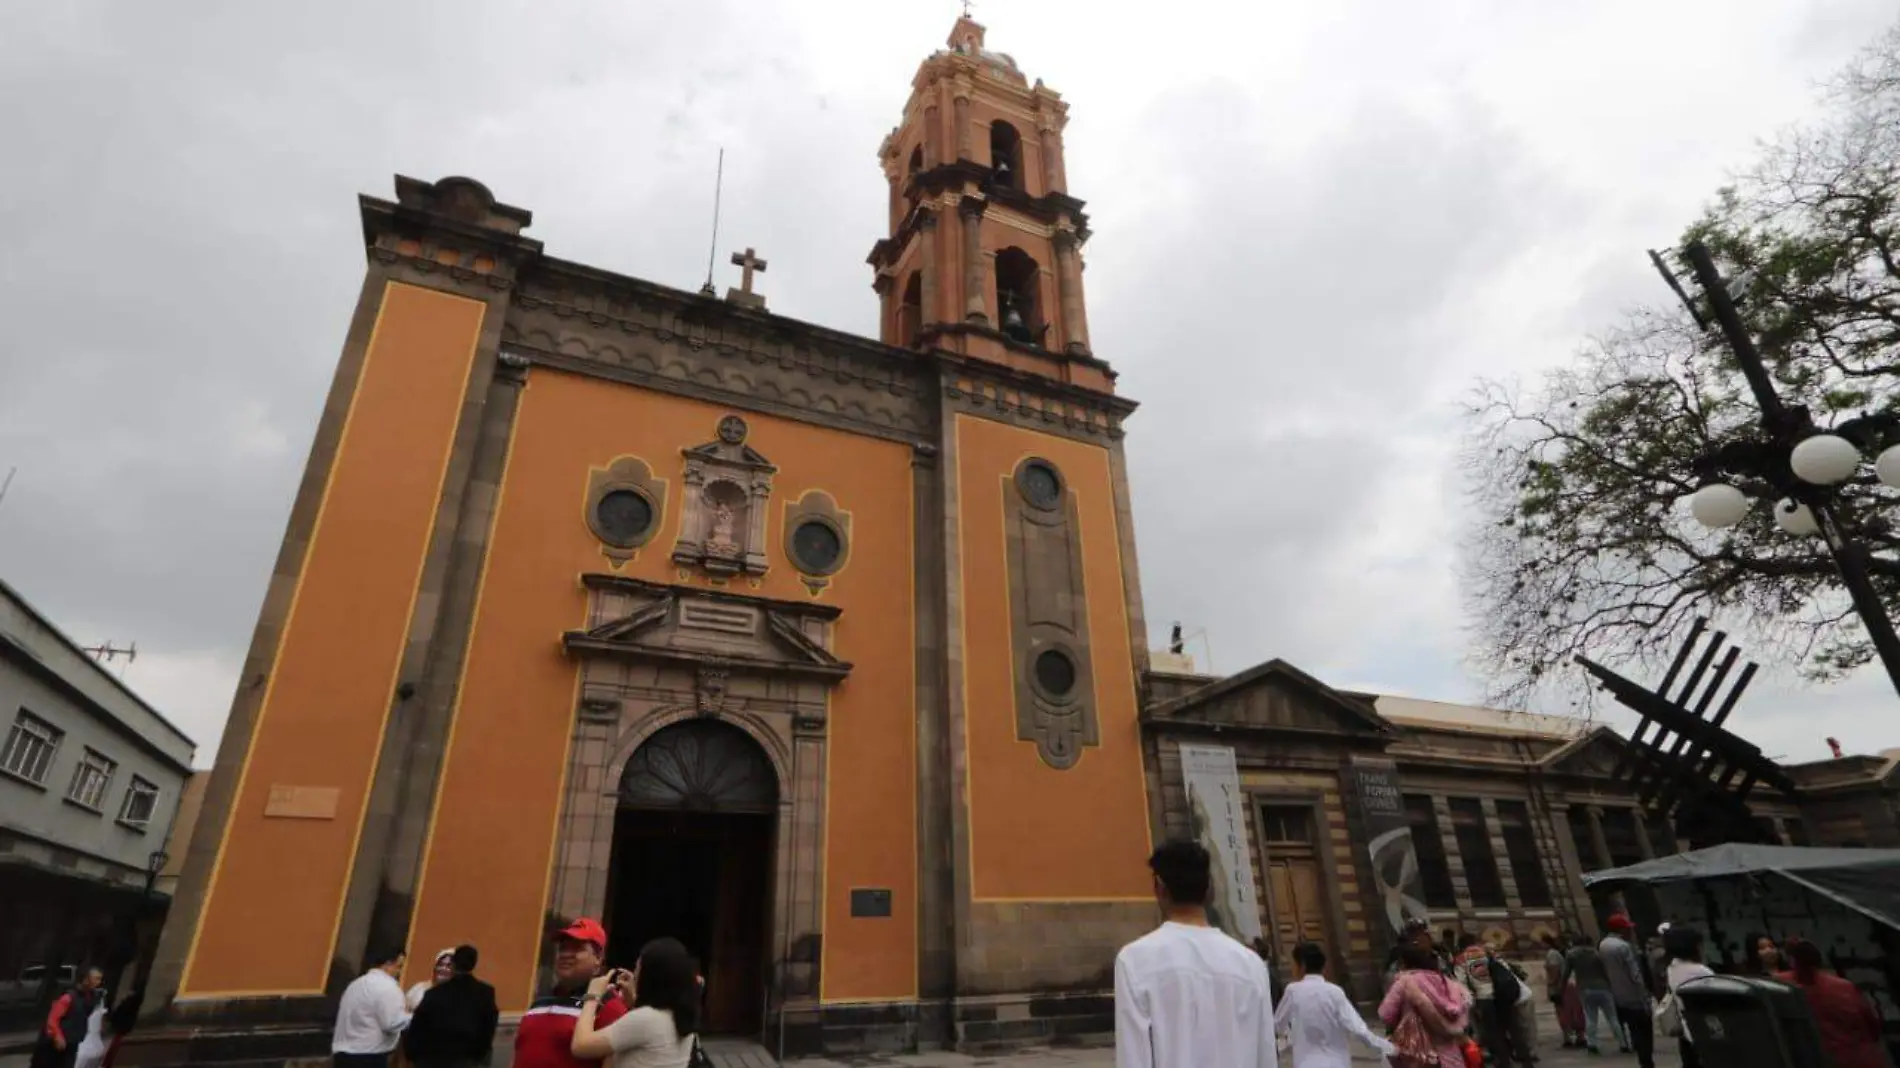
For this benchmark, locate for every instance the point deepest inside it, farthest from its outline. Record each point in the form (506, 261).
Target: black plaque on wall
(870, 904)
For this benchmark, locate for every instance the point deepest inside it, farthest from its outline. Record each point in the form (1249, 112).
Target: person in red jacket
(545, 1038)
(1850, 1028)
(65, 1025)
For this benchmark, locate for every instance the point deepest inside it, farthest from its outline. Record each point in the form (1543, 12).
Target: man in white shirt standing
(1187, 995)
(371, 1015)
(1319, 1017)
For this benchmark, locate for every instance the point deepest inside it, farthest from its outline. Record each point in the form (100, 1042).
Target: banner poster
(1394, 856)
(1220, 825)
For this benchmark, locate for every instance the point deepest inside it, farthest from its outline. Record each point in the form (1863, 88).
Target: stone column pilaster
(1075, 325)
(971, 216)
(1598, 844)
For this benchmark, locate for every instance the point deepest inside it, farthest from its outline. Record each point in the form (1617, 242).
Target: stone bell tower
(984, 254)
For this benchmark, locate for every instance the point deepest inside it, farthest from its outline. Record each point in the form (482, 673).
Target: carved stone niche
(625, 507)
(728, 486)
(720, 652)
(1048, 604)
(817, 538)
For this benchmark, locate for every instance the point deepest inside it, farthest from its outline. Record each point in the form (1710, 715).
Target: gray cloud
(1311, 232)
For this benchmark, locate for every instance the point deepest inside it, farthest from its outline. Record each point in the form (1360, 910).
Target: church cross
(966, 8)
(748, 261)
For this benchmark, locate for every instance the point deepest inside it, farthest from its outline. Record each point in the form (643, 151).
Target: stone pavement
(725, 1056)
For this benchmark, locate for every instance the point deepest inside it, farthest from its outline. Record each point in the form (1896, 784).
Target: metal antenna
(11, 471)
(719, 182)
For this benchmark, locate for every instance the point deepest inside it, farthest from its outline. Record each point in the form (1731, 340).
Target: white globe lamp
(1888, 467)
(1824, 460)
(1718, 505)
(1796, 519)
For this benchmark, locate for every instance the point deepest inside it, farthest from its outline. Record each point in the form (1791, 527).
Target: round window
(816, 547)
(1055, 672)
(623, 516)
(1040, 484)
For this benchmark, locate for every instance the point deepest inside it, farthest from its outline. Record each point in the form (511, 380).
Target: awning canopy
(1865, 880)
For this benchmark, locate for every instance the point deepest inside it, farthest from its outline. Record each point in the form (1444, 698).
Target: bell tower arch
(984, 253)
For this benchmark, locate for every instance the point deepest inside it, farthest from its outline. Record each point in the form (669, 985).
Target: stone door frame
(608, 730)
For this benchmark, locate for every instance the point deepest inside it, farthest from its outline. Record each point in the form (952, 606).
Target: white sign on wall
(1215, 806)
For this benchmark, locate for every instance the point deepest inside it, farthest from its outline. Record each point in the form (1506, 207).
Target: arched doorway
(692, 860)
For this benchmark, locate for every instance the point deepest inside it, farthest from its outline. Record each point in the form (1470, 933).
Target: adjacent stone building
(1506, 810)
(90, 779)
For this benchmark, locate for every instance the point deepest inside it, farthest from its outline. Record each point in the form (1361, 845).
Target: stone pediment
(1595, 753)
(634, 618)
(1274, 696)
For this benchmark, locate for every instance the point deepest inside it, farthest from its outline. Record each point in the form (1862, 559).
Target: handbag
(698, 1058)
(1669, 1016)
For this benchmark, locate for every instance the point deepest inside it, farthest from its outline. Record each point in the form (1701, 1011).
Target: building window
(1578, 816)
(1434, 869)
(1662, 834)
(141, 800)
(1474, 848)
(90, 779)
(1619, 834)
(30, 747)
(1286, 824)
(1520, 848)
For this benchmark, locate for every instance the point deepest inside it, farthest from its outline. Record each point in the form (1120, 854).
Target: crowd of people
(646, 1016)
(1187, 996)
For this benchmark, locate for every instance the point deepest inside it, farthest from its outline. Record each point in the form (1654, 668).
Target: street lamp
(1797, 460)
(154, 863)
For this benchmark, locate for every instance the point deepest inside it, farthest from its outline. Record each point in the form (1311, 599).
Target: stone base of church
(977, 1025)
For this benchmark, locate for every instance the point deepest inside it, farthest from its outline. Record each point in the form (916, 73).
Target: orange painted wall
(1035, 832)
(491, 852)
(270, 916)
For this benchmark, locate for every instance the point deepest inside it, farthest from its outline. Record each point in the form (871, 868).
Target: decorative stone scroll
(727, 488)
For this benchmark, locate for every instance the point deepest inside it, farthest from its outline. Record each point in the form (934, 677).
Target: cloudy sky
(1315, 223)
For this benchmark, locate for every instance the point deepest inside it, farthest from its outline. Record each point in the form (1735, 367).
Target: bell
(1013, 324)
(1003, 176)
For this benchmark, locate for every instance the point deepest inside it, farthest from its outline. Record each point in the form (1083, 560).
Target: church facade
(825, 654)
(604, 598)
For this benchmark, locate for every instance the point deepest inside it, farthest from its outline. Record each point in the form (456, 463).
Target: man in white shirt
(371, 1015)
(1319, 1017)
(1187, 995)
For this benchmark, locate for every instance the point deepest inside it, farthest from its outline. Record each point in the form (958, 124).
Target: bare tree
(1583, 543)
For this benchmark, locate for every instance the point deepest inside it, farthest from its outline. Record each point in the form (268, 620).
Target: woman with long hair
(1426, 1012)
(1682, 949)
(1761, 958)
(659, 1031)
(1850, 1028)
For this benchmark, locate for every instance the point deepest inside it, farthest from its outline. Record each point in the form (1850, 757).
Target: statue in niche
(724, 524)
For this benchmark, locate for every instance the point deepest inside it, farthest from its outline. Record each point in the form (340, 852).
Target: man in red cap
(546, 1036)
(1628, 988)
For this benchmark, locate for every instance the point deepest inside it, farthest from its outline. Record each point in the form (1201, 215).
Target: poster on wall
(1394, 856)
(1220, 825)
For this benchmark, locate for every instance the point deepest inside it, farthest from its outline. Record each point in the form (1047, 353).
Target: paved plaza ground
(1552, 1056)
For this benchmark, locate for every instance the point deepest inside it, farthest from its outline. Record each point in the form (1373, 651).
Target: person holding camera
(659, 1031)
(545, 1037)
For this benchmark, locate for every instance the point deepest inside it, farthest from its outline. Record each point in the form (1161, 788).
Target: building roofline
(93, 665)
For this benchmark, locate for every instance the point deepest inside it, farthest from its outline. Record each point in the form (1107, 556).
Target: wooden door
(1297, 900)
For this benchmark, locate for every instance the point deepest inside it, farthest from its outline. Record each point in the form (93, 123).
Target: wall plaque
(301, 803)
(871, 904)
